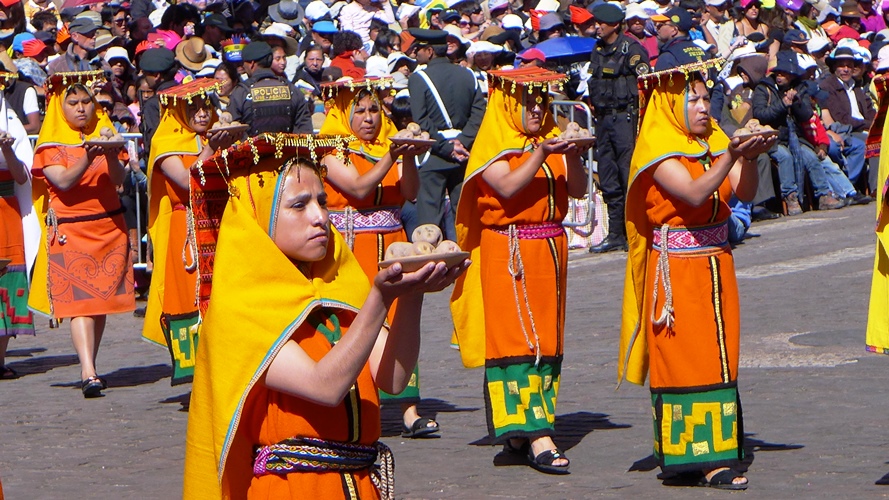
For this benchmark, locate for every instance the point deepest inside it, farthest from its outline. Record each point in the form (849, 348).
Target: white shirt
(850, 91)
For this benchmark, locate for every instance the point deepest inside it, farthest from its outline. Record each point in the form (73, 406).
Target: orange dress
(520, 391)
(179, 314)
(15, 318)
(694, 362)
(271, 417)
(89, 259)
(370, 243)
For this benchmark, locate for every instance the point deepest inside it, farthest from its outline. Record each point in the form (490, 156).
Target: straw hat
(192, 53)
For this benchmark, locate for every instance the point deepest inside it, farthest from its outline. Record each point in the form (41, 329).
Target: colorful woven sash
(692, 238)
(373, 220)
(302, 454)
(533, 231)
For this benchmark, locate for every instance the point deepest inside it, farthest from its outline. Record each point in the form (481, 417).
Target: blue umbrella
(567, 47)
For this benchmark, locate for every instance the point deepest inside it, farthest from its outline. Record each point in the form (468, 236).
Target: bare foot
(545, 443)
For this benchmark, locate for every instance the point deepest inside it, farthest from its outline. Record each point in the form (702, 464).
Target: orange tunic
(179, 282)
(271, 417)
(510, 360)
(15, 318)
(684, 356)
(370, 247)
(89, 272)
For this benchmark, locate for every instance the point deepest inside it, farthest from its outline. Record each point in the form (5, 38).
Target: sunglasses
(477, 11)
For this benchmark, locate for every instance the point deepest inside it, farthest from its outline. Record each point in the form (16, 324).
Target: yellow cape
(663, 134)
(259, 299)
(173, 137)
(55, 131)
(339, 122)
(501, 133)
(877, 336)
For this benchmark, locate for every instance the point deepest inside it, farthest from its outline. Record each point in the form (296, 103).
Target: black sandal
(419, 428)
(544, 461)
(723, 480)
(8, 373)
(92, 387)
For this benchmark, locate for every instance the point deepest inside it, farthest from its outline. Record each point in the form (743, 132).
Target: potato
(225, 117)
(742, 131)
(413, 128)
(569, 135)
(404, 134)
(572, 126)
(106, 132)
(424, 135)
(585, 133)
(423, 248)
(447, 246)
(399, 249)
(235, 123)
(429, 233)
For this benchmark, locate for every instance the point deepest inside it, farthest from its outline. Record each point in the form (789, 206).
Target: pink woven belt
(692, 238)
(363, 221)
(533, 231)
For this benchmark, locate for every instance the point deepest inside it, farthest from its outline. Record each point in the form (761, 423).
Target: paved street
(814, 402)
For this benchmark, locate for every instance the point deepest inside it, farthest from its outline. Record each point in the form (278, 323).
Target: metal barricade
(579, 112)
(136, 138)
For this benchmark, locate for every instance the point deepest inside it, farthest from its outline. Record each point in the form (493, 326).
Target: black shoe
(610, 244)
(139, 312)
(763, 213)
(859, 199)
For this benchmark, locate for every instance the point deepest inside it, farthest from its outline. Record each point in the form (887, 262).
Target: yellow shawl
(259, 299)
(501, 133)
(173, 137)
(56, 131)
(877, 336)
(341, 97)
(663, 134)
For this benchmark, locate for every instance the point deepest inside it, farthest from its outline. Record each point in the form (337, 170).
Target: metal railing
(570, 109)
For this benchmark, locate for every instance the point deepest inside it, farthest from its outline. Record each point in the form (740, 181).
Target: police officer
(614, 66)
(266, 101)
(676, 46)
(446, 102)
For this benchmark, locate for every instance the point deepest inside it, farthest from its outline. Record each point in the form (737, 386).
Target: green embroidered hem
(410, 394)
(697, 430)
(181, 334)
(521, 398)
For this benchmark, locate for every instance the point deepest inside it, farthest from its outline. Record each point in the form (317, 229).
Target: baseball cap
(511, 21)
(32, 47)
(679, 17)
(82, 26)
(550, 21)
(316, 10)
(497, 4)
(533, 54)
(218, 21)
(255, 51)
(636, 11)
(324, 27)
(795, 36)
(157, 60)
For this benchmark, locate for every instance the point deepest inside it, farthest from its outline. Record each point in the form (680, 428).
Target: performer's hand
(557, 146)
(752, 147)
(433, 277)
(93, 150)
(219, 139)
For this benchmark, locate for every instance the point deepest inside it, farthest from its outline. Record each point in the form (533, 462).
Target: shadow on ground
(751, 445)
(391, 417)
(42, 364)
(27, 352)
(182, 399)
(571, 428)
(129, 377)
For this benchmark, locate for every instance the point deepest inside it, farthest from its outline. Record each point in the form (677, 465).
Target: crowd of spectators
(802, 67)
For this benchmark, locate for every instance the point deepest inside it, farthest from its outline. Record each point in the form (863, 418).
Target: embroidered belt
(7, 189)
(679, 239)
(374, 220)
(301, 454)
(532, 231)
(86, 218)
(691, 238)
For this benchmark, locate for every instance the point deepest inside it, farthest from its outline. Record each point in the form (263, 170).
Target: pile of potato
(412, 131)
(106, 134)
(427, 240)
(574, 131)
(225, 121)
(753, 127)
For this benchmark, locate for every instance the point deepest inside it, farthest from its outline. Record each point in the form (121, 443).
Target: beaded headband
(329, 90)
(58, 82)
(202, 87)
(526, 80)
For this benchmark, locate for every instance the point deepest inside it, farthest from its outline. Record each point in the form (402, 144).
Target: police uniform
(679, 51)
(446, 102)
(613, 93)
(268, 102)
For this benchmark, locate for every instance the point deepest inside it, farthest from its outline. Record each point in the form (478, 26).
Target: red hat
(32, 48)
(579, 16)
(9, 3)
(533, 54)
(535, 18)
(145, 45)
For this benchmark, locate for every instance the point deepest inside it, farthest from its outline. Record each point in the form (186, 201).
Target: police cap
(608, 13)
(255, 51)
(429, 37)
(159, 60)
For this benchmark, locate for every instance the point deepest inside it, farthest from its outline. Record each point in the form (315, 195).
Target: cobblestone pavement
(814, 401)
